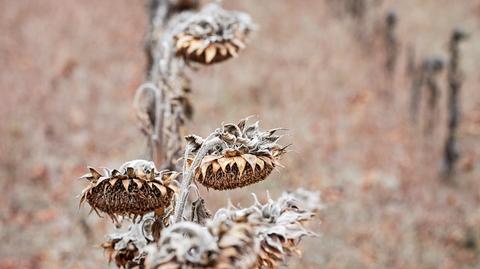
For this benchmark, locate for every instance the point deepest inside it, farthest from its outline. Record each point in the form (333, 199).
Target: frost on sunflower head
(211, 35)
(134, 189)
(279, 225)
(246, 156)
(260, 236)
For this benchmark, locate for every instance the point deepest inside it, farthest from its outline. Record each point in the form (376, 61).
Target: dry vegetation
(70, 70)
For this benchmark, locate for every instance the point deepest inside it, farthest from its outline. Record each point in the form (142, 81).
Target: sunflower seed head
(134, 189)
(127, 248)
(211, 35)
(260, 236)
(244, 138)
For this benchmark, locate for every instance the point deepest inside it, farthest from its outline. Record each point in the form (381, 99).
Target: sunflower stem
(187, 175)
(154, 147)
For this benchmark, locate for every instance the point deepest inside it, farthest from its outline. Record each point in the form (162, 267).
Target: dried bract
(134, 189)
(212, 35)
(199, 212)
(246, 156)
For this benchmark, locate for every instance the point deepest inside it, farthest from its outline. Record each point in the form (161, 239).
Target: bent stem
(154, 136)
(188, 176)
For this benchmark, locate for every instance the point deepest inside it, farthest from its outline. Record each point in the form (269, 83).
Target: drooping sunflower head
(134, 189)
(224, 244)
(246, 156)
(183, 245)
(213, 35)
(127, 249)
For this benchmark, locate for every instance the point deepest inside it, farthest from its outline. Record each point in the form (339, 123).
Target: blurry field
(68, 71)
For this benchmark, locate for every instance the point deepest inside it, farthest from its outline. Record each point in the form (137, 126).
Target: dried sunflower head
(236, 241)
(127, 248)
(278, 225)
(247, 155)
(260, 236)
(223, 244)
(134, 189)
(126, 257)
(183, 245)
(282, 227)
(212, 35)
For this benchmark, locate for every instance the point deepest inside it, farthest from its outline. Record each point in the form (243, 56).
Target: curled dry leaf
(200, 213)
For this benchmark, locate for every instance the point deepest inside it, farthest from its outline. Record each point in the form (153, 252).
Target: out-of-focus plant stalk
(455, 80)
(391, 42)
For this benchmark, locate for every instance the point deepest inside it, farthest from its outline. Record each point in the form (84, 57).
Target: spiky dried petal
(240, 162)
(210, 53)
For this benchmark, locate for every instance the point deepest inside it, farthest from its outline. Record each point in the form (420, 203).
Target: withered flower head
(222, 244)
(212, 35)
(127, 248)
(238, 247)
(278, 224)
(260, 236)
(247, 155)
(134, 189)
(126, 256)
(183, 245)
(282, 226)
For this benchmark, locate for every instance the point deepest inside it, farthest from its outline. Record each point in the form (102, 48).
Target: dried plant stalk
(391, 42)
(454, 86)
(179, 33)
(432, 67)
(188, 175)
(233, 156)
(149, 114)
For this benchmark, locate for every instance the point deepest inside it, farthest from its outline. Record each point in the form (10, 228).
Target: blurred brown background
(69, 69)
